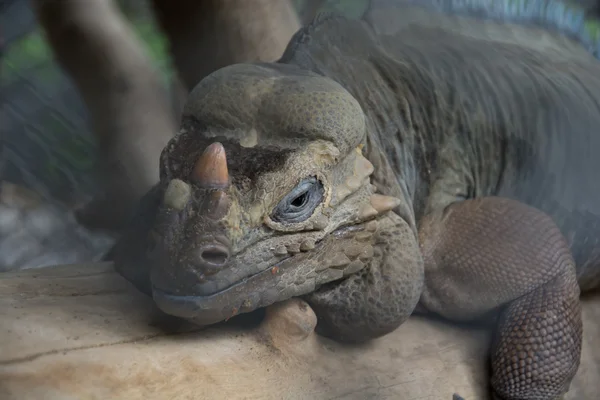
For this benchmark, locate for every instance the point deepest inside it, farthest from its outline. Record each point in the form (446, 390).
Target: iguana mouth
(276, 282)
(212, 308)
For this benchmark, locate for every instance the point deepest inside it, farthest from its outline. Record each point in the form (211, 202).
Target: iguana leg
(380, 297)
(493, 253)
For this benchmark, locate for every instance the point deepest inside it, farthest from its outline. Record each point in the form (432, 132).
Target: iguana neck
(399, 132)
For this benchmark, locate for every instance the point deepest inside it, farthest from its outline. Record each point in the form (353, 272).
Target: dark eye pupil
(300, 203)
(300, 200)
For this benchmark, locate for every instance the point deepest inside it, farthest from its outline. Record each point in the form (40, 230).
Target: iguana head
(266, 193)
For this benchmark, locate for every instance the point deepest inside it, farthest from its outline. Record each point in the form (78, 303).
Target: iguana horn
(211, 170)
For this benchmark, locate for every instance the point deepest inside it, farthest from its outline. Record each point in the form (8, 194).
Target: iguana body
(486, 119)
(368, 172)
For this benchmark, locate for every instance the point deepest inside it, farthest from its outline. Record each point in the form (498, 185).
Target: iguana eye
(300, 203)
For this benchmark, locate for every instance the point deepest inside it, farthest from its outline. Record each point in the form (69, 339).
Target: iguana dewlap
(370, 172)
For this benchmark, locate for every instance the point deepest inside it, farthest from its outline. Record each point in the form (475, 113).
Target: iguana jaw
(280, 281)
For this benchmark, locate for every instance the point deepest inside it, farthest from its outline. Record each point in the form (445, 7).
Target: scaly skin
(439, 169)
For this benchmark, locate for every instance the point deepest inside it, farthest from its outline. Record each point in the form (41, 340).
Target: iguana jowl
(370, 172)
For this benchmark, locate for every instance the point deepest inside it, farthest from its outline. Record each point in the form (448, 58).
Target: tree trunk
(210, 34)
(129, 106)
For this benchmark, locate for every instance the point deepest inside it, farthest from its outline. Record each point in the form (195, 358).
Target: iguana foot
(498, 254)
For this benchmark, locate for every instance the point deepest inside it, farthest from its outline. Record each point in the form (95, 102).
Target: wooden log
(83, 332)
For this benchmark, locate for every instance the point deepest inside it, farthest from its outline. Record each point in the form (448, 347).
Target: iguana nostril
(213, 256)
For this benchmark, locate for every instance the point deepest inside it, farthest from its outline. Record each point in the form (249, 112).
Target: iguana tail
(578, 19)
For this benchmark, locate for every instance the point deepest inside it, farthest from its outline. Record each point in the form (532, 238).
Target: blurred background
(47, 148)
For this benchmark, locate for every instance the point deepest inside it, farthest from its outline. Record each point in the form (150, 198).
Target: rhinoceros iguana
(374, 170)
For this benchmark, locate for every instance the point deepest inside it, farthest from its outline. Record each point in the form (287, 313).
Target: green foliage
(592, 28)
(29, 51)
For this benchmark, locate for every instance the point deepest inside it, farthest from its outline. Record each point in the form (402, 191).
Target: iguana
(372, 172)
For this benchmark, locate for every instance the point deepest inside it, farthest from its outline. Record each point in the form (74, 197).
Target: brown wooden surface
(82, 332)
